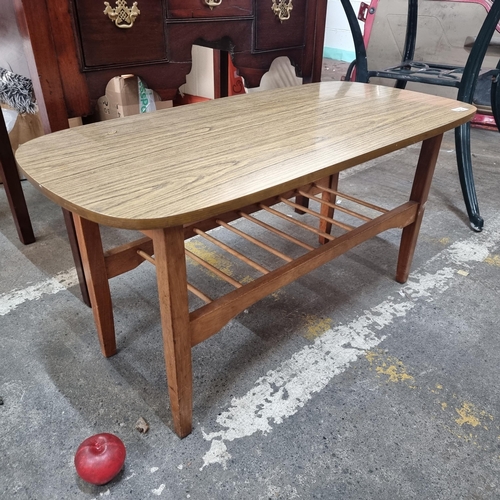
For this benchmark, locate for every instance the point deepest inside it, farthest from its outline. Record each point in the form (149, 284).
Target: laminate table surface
(180, 165)
(182, 172)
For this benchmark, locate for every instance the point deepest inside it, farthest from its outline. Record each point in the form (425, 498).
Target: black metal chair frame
(463, 78)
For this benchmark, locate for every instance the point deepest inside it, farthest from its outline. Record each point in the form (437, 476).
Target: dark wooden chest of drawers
(76, 48)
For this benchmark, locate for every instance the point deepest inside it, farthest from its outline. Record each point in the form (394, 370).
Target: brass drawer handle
(282, 9)
(122, 16)
(213, 3)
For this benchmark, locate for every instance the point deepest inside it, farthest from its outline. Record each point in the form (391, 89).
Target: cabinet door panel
(199, 8)
(272, 34)
(103, 43)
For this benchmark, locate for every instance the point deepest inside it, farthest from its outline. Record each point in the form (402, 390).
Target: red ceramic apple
(100, 458)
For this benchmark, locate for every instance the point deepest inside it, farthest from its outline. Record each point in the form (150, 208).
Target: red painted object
(100, 458)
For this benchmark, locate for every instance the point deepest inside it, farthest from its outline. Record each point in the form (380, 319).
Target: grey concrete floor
(343, 385)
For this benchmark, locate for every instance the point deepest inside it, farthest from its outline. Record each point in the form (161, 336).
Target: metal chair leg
(466, 87)
(462, 133)
(360, 63)
(464, 164)
(410, 38)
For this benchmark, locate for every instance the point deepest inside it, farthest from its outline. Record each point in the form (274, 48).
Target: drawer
(199, 8)
(273, 34)
(234, 36)
(104, 44)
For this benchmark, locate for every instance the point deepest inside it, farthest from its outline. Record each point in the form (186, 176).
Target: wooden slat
(355, 200)
(213, 269)
(277, 231)
(209, 319)
(209, 223)
(255, 241)
(232, 251)
(147, 257)
(337, 207)
(199, 293)
(297, 222)
(347, 227)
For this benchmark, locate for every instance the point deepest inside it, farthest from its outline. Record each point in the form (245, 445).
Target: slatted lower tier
(330, 223)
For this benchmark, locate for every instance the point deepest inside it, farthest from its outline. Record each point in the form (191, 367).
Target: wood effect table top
(189, 163)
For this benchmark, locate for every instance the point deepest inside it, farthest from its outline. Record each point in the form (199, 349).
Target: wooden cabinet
(273, 34)
(102, 43)
(74, 48)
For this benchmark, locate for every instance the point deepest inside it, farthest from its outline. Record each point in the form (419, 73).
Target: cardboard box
(122, 98)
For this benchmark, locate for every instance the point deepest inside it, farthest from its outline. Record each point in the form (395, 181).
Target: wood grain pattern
(189, 163)
(172, 293)
(90, 244)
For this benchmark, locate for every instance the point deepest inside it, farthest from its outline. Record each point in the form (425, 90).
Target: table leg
(13, 188)
(419, 193)
(92, 254)
(331, 182)
(172, 291)
(75, 251)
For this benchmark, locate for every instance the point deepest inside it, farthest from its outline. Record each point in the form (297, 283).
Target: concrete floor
(343, 385)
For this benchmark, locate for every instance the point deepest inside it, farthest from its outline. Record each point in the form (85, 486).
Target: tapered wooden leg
(92, 254)
(301, 200)
(13, 189)
(420, 191)
(77, 259)
(172, 291)
(331, 182)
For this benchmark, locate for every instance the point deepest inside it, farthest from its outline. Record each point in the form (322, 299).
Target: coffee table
(180, 173)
